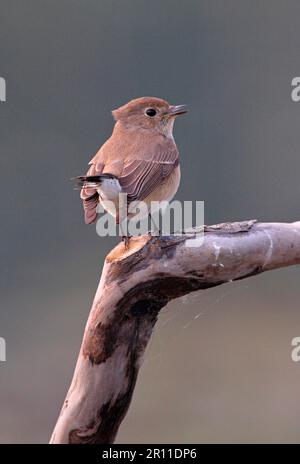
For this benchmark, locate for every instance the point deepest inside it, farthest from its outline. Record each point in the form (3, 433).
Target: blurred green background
(218, 368)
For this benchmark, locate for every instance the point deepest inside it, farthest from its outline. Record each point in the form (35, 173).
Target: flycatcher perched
(140, 158)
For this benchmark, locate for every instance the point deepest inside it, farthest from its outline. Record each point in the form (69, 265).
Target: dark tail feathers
(91, 181)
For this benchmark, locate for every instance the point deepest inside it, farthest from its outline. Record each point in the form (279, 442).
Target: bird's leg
(156, 230)
(126, 240)
(125, 236)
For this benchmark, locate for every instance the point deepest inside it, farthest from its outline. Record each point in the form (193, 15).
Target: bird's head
(149, 113)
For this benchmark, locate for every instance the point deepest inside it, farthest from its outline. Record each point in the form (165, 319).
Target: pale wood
(135, 284)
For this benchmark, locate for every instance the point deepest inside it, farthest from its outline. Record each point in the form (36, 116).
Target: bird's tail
(91, 181)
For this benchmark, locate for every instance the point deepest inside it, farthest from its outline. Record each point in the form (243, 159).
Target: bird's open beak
(175, 110)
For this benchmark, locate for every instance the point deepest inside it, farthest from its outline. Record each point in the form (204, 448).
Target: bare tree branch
(135, 284)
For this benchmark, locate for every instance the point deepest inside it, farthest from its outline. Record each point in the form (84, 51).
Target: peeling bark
(135, 284)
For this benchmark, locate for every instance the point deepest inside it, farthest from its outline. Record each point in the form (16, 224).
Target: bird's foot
(154, 233)
(126, 240)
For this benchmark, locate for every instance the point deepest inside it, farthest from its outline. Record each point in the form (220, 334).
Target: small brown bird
(140, 158)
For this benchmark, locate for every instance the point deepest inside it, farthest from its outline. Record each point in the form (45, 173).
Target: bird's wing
(141, 176)
(138, 175)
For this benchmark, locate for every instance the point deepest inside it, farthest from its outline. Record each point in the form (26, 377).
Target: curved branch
(136, 283)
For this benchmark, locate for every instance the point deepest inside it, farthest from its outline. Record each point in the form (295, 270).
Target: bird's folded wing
(140, 177)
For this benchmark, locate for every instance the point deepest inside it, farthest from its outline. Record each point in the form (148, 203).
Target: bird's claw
(154, 233)
(126, 240)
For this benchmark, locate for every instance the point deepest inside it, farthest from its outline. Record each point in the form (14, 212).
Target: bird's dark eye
(151, 112)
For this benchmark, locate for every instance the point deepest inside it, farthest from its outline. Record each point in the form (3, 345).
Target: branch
(135, 284)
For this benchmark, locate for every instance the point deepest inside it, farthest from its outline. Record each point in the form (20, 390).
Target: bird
(140, 159)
